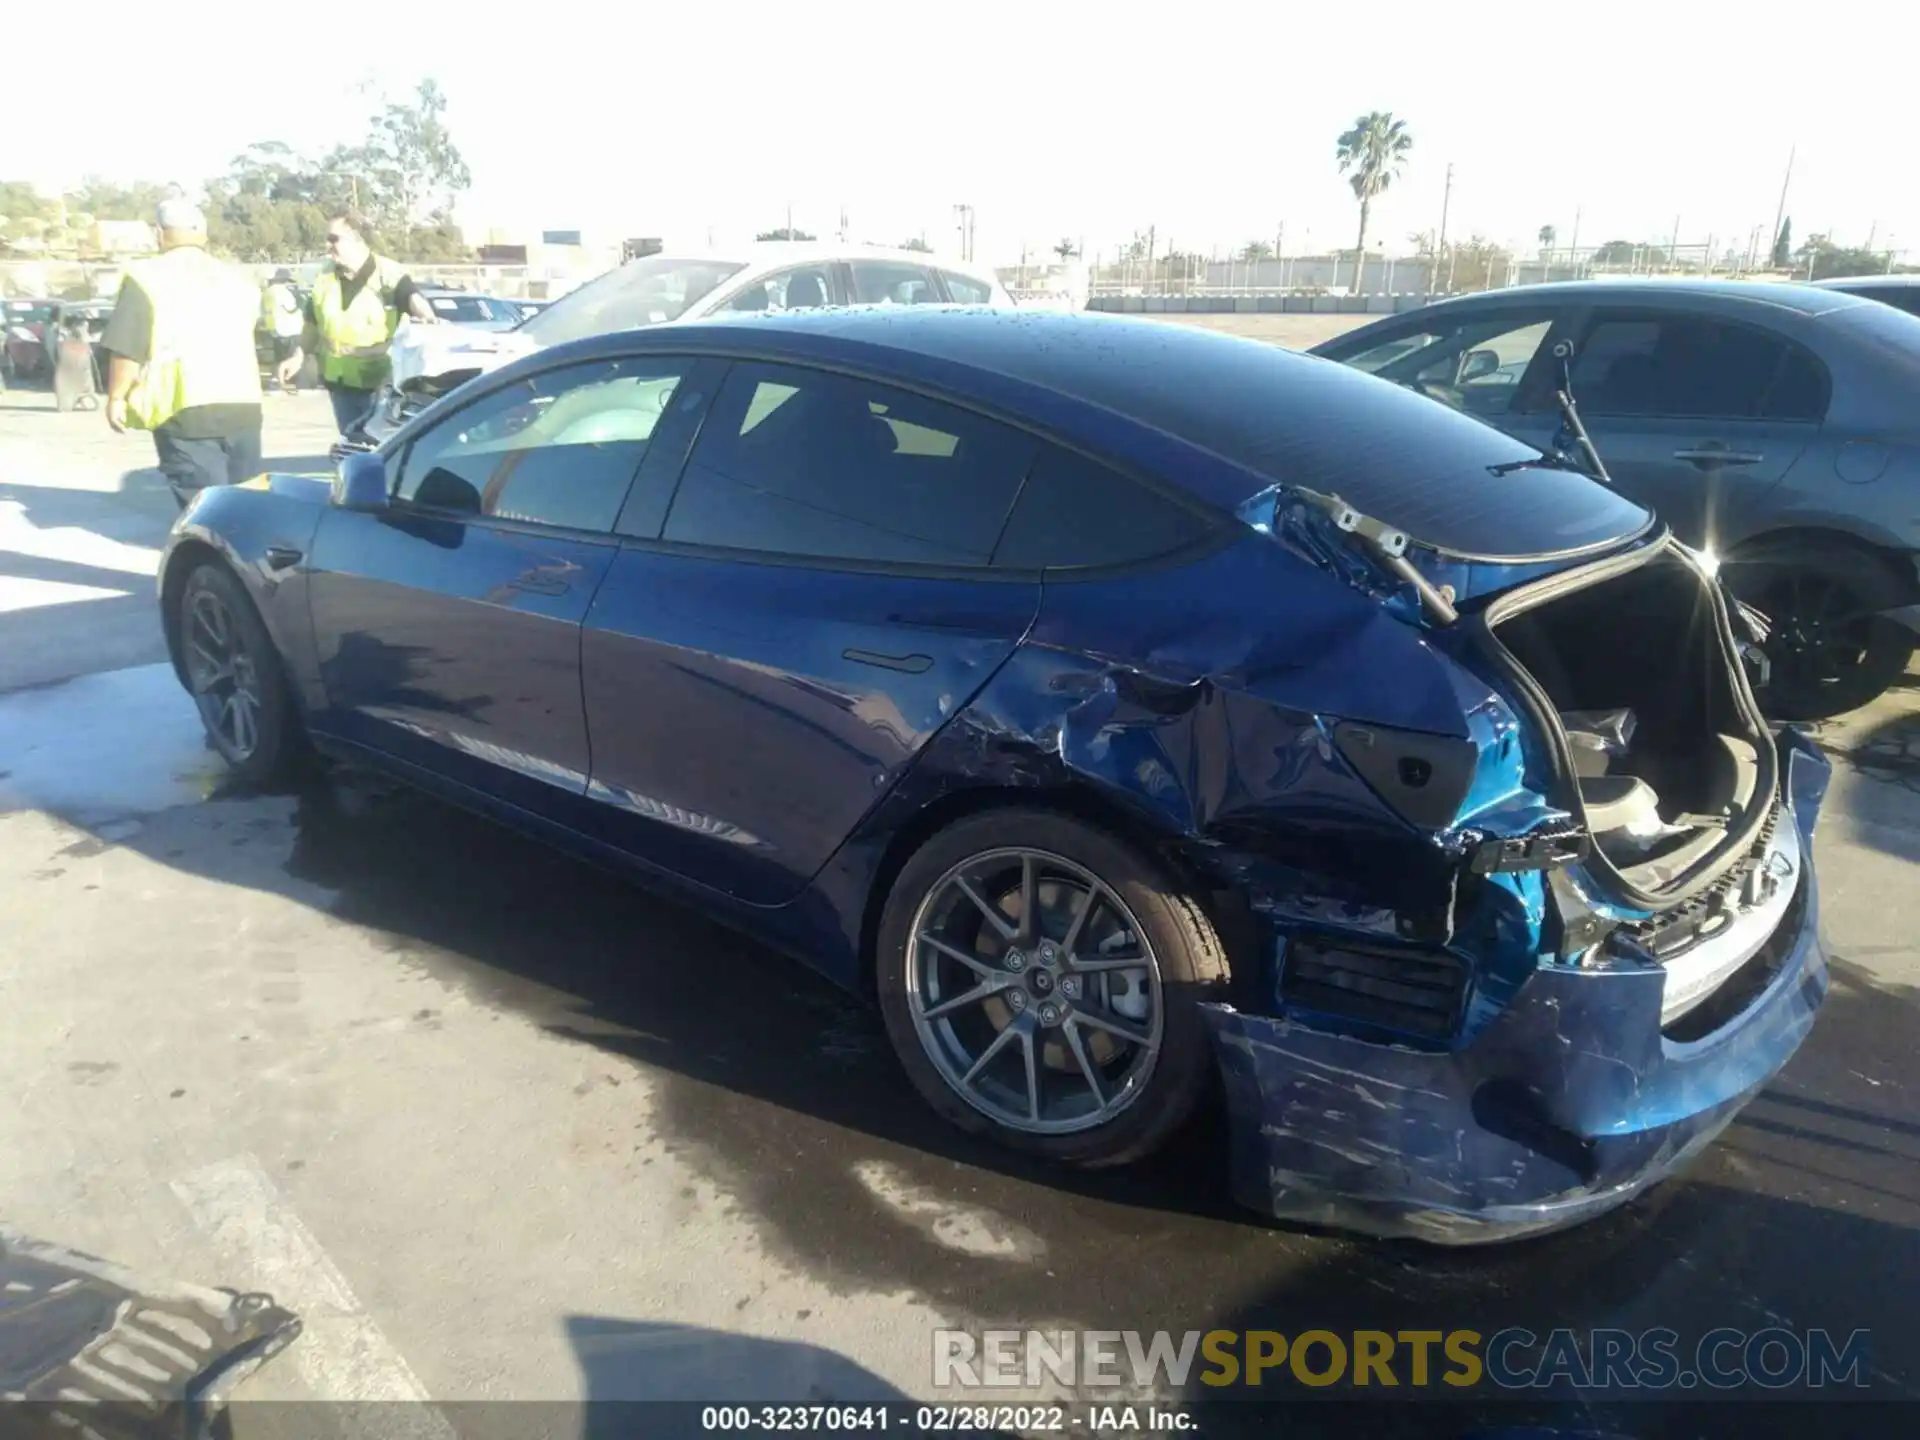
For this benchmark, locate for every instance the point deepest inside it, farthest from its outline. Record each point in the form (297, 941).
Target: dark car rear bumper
(1569, 1104)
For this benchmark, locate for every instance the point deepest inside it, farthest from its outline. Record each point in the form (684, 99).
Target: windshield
(642, 292)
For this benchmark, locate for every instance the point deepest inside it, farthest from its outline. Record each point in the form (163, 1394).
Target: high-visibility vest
(354, 338)
(202, 351)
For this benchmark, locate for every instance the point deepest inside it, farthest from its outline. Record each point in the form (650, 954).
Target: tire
(254, 670)
(1103, 1100)
(1828, 653)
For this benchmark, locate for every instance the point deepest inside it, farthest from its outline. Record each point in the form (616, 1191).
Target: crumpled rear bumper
(1569, 1104)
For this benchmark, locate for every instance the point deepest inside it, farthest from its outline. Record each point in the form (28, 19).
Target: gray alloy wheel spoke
(1032, 1058)
(1079, 1047)
(1000, 1042)
(954, 952)
(1029, 901)
(1120, 1028)
(961, 1001)
(211, 616)
(1089, 903)
(212, 668)
(245, 733)
(1007, 930)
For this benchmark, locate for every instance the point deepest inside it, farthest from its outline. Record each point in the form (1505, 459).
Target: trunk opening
(1632, 668)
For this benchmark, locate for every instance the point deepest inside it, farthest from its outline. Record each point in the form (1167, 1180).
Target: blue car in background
(1125, 709)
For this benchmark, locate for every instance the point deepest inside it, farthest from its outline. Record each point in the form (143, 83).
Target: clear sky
(1213, 122)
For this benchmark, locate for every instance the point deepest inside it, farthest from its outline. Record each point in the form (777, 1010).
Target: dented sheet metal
(87, 1343)
(1568, 1103)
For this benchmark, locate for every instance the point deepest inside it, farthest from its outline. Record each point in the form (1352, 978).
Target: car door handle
(281, 557)
(911, 664)
(1716, 455)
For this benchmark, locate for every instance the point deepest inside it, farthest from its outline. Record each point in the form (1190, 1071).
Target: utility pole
(1440, 245)
(1573, 250)
(1780, 214)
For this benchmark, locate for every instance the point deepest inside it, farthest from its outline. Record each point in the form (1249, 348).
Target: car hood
(420, 352)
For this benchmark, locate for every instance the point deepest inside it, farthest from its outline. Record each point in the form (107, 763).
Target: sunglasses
(334, 238)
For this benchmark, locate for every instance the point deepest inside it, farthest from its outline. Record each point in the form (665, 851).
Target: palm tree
(1547, 236)
(1066, 249)
(1371, 154)
(1254, 251)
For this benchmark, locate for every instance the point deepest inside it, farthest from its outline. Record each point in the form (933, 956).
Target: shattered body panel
(1569, 1103)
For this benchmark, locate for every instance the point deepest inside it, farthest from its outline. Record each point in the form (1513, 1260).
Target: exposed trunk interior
(1669, 761)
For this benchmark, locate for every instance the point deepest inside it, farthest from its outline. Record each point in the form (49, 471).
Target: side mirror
(1479, 363)
(360, 482)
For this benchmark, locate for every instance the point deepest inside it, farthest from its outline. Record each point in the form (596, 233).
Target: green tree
(1547, 236)
(785, 233)
(918, 245)
(1254, 251)
(24, 211)
(1371, 155)
(409, 168)
(1615, 252)
(1783, 245)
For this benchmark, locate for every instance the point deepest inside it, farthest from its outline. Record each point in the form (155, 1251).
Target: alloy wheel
(221, 675)
(1821, 633)
(1034, 991)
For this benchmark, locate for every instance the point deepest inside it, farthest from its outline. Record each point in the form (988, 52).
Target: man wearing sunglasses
(355, 307)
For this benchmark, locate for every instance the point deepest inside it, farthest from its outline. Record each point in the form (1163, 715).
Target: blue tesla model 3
(1141, 717)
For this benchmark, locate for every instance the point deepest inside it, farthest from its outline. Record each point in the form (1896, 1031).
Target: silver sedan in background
(1772, 425)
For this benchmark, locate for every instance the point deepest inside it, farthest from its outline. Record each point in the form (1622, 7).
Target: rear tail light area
(1419, 992)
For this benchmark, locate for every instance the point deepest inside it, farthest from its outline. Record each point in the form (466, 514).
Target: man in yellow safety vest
(355, 307)
(183, 366)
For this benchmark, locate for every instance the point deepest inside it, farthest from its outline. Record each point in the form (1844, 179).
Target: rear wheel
(1041, 982)
(1829, 650)
(234, 674)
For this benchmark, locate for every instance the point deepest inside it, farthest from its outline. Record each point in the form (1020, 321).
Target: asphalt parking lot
(500, 1127)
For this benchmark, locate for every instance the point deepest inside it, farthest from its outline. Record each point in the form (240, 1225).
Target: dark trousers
(349, 406)
(192, 465)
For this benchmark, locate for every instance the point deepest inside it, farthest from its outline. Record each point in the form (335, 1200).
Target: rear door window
(965, 290)
(1474, 363)
(802, 288)
(1678, 366)
(890, 282)
(1076, 513)
(798, 462)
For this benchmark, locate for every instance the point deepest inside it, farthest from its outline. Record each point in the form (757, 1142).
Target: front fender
(262, 531)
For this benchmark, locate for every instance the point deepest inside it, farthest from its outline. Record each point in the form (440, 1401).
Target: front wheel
(234, 674)
(1042, 980)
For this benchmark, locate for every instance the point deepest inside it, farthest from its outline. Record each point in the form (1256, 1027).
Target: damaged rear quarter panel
(1204, 720)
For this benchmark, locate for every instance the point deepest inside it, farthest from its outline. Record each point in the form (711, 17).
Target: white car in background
(667, 289)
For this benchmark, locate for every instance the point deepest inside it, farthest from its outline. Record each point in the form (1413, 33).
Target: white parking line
(341, 1353)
